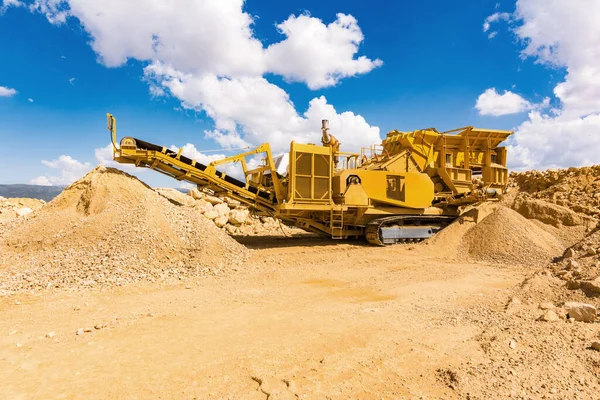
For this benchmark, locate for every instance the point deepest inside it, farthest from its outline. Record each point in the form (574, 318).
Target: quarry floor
(304, 318)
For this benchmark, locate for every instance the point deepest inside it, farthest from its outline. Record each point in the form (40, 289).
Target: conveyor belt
(143, 145)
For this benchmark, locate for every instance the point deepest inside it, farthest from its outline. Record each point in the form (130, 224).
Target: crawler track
(404, 228)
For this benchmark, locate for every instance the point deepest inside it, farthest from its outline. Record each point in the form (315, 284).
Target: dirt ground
(304, 318)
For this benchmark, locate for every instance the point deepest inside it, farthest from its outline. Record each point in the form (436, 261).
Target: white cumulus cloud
(69, 170)
(250, 111)
(7, 92)
(206, 54)
(318, 54)
(10, 3)
(566, 36)
(495, 17)
(493, 103)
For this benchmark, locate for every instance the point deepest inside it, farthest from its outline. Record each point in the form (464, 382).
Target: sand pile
(109, 228)
(575, 188)
(492, 232)
(508, 237)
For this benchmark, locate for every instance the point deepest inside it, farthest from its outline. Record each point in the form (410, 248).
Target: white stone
(222, 210)
(221, 220)
(213, 200)
(195, 194)
(21, 212)
(238, 216)
(212, 214)
(203, 206)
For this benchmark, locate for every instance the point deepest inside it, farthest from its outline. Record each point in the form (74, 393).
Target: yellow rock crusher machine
(406, 189)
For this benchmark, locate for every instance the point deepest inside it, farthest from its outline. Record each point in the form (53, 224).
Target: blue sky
(437, 61)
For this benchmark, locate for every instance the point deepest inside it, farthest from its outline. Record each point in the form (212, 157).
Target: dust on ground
(485, 309)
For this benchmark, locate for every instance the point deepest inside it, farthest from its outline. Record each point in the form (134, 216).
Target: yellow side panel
(310, 174)
(356, 196)
(410, 189)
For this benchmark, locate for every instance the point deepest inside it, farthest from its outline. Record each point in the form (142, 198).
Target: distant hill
(45, 193)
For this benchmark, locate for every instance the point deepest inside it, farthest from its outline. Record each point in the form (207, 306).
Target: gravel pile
(508, 237)
(109, 229)
(495, 233)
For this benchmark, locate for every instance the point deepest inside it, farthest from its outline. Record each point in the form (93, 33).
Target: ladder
(337, 223)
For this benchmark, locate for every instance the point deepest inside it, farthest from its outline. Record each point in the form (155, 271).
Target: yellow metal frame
(402, 176)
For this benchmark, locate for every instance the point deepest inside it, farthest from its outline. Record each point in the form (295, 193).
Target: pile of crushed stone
(575, 188)
(109, 228)
(508, 237)
(495, 233)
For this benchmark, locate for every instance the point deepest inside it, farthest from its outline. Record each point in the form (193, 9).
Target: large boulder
(238, 216)
(581, 311)
(213, 200)
(212, 214)
(222, 210)
(231, 202)
(195, 194)
(203, 206)
(221, 220)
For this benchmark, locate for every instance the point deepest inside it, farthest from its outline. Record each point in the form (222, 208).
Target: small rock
(591, 286)
(79, 331)
(569, 253)
(221, 221)
(21, 212)
(547, 306)
(596, 346)
(581, 311)
(188, 287)
(571, 320)
(213, 200)
(572, 264)
(512, 344)
(98, 326)
(549, 316)
(87, 330)
(573, 284)
(591, 251)
(50, 335)
(567, 276)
